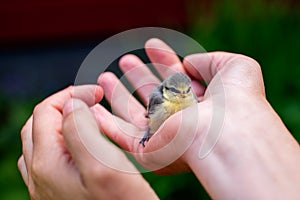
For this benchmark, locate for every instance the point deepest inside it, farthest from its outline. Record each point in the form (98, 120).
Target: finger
(124, 134)
(167, 62)
(234, 69)
(139, 75)
(198, 88)
(90, 94)
(47, 118)
(85, 143)
(200, 66)
(27, 146)
(163, 58)
(23, 170)
(122, 102)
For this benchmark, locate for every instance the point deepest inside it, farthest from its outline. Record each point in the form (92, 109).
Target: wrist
(258, 154)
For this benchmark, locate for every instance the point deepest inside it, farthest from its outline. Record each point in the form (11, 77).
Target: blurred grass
(14, 113)
(268, 31)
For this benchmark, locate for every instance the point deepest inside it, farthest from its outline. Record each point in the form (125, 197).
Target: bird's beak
(183, 95)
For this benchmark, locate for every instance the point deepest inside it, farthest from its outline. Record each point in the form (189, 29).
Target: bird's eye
(188, 90)
(173, 90)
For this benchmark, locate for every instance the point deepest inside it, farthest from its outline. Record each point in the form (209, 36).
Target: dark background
(42, 44)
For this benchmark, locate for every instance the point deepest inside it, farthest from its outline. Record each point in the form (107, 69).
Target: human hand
(130, 125)
(57, 164)
(130, 110)
(249, 154)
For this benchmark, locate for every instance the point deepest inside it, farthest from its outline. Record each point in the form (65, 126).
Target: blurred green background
(268, 31)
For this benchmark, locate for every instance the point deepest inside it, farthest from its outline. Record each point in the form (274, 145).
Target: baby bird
(172, 95)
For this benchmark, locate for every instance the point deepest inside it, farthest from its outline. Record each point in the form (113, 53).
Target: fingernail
(97, 113)
(154, 43)
(71, 105)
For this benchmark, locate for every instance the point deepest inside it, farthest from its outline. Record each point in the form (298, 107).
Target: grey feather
(155, 100)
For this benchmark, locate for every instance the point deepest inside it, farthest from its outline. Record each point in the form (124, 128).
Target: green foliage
(13, 116)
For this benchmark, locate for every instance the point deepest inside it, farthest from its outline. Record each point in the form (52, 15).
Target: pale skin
(255, 156)
(56, 165)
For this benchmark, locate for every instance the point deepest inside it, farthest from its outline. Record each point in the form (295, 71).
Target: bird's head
(177, 87)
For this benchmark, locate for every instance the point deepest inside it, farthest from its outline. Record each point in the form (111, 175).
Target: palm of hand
(165, 152)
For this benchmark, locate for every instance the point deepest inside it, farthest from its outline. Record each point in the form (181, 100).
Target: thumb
(85, 143)
(78, 120)
(233, 69)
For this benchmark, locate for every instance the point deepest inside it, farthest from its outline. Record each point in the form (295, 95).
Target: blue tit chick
(172, 95)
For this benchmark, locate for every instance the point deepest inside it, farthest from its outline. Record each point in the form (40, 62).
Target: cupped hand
(164, 151)
(56, 162)
(232, 139)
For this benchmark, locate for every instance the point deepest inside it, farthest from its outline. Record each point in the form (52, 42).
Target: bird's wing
(156, 99)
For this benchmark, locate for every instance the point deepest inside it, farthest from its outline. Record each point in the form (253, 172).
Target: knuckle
(24, 133)
(37, 109)
(26, 129)
(20, 163)
(70, 89)
(249, 64)
(250, 70)
(23, 130)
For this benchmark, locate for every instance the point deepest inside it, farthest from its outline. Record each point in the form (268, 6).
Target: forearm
(250, 163)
